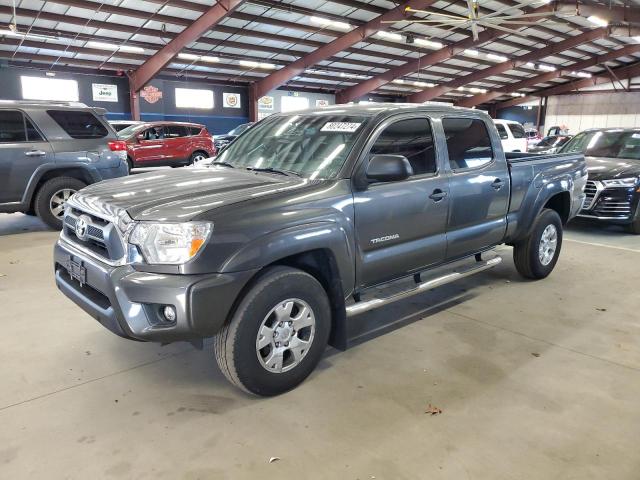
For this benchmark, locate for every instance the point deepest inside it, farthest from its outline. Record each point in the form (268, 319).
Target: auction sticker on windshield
(346, 127)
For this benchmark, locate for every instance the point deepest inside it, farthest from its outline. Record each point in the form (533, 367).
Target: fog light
(169, 313)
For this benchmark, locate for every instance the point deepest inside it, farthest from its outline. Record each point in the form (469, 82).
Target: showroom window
(80, 125)
(291, 104)
(411, 138)
(194, 98)
(468, 143)
(55, 89)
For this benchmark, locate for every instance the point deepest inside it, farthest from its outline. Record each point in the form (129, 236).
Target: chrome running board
(481, 266)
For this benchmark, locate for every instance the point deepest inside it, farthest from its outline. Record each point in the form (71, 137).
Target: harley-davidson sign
(151, 94)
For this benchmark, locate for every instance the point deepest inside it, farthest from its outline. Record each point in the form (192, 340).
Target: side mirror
(140, 137)
(389, 168)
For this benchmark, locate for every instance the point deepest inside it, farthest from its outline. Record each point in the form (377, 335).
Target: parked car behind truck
(49, 151)
(613, 189)
(300, 222)
(174, 144)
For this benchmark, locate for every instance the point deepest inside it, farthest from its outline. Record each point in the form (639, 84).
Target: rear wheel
(277, 334)
(129, 164)
(52, 198)
(536, 256)
(198, 157)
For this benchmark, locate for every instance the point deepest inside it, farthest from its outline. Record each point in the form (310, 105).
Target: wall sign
(104, 93)
(265, 103)
(151, 94)
(231, 100)
(322, 103)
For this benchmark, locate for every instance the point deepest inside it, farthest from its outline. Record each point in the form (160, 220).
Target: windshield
(310, 145)
(239, 129)
(131, 130)
(609, 144)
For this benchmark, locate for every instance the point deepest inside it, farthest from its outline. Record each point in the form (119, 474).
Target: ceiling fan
(475, 19)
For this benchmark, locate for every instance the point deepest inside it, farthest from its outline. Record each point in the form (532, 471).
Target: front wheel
(634, 227)
(52, 198)
(277, 334)
(536, 256)
(197, 157)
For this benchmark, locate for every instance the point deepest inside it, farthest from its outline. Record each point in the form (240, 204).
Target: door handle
(438, 195)
(497, 184)
(35, 153)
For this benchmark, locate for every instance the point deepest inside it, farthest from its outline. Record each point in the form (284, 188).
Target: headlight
(621, 182)
(170, 243)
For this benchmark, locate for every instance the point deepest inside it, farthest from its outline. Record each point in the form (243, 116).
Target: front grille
(102, 238)
(614, 203)
(591, 192)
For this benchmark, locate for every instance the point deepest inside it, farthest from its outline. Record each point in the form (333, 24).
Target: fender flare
(39, 172)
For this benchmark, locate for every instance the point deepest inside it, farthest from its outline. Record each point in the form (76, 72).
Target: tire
(197, 156)
(63, 187)
(129, 164)
(530, 261)
(634, 227)
(288, 291)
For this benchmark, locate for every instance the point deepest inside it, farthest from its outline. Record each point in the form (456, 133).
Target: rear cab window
(502, 131)
(468, 143)
(79, 124)
(15, 127)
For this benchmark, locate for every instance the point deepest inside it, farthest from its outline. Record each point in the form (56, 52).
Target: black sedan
(550, 144)
(221, 141)
(613, 160)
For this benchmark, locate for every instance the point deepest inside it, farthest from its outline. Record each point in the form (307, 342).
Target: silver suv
(49, 151)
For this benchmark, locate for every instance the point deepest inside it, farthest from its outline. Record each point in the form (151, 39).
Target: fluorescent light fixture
(600, 22)
(11, 33)
(530, 65)
(478, 90)
(55, 89)
(546, 68)
(424, 84)
(325, 22)
(252, 64)
(581, 74)
(428, 43)
(208, 59)
(398, 80)
(516, 94)
(471, 52)
(637, 39)
(194, 98)
(187, 56)
(460, 89)
(113, 47)
(389, 35)
(496, 57)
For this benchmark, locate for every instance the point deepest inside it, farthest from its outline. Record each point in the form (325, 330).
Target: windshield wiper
(279, 171)
(223, 164)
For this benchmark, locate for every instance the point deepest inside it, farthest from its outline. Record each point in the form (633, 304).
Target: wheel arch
(41, 177)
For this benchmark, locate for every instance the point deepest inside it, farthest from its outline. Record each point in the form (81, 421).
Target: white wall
(277, 96)
(579, 112)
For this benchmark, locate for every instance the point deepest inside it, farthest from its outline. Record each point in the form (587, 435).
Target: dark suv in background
(49, 151)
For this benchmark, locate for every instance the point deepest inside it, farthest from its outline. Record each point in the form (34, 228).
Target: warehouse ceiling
(538, 45)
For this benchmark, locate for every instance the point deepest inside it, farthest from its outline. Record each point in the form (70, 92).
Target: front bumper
(129, 302)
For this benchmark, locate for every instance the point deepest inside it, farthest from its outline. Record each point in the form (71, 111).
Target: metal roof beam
(626, 72)
(431, 93)
(547, 77)
(193, 32)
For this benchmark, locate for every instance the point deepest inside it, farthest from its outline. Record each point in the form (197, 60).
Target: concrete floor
(535, 381)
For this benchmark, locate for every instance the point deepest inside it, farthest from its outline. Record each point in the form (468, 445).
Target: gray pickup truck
(274, 246)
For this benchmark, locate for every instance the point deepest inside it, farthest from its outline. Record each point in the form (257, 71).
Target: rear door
(177, 142)
(22, 150)
(479, 185)
(401, 226)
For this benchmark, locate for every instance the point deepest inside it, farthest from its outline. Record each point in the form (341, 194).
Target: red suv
(166, 143)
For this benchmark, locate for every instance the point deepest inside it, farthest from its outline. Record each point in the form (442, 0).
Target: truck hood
(601, 168)
(179, 195)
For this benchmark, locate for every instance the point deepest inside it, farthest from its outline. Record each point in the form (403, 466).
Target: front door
(177, 143)
(150, 146)
(480, 187)
(401, 226)
(22, 150)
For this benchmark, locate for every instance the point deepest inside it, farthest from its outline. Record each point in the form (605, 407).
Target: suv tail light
(118, 146)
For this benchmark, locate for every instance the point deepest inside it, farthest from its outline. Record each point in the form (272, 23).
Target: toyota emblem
(82, 226)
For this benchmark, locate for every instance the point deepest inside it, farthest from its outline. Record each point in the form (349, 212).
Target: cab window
(468, 143)
(517, 130)
(411, 138)
(502, 131)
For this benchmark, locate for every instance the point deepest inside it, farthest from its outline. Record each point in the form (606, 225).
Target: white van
(512, 134)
